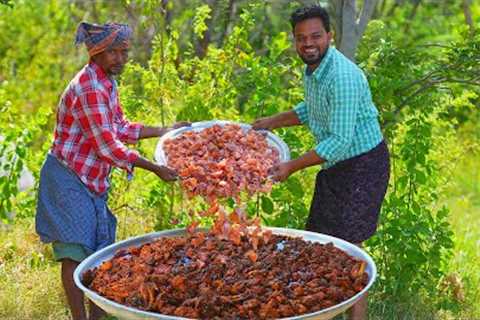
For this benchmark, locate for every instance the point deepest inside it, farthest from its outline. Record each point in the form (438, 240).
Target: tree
(468, 15)
(350, 23)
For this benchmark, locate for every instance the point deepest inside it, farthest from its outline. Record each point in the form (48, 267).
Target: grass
(30, 283)
(30, 280)
(464, 204)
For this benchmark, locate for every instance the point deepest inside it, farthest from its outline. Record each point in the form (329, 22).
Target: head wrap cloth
(98, 38)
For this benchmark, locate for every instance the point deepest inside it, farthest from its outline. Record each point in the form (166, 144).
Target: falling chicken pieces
(222, 162)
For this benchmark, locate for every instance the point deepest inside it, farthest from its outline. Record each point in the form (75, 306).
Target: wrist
(272, 123)
(162, 130)
(291, 167)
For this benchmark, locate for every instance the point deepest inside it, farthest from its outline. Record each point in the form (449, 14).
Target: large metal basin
(272, 139)
(124, 312)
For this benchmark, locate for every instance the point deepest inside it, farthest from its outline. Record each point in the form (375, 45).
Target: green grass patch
(30, 286)
(464, 203)
(30, 282)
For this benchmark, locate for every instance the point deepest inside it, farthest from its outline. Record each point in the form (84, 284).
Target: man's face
(311, 41)
(112, 60)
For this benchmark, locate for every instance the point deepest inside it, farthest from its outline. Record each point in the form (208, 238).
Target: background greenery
(223, 59)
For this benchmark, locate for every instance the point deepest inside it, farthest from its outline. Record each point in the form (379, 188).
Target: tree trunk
(229, 21)
(381, 11)
(468, 15)
(168, 17)
(202, 44)
(348, 29)
(394, 7)
(348, 42)
(336, 14)
(413, 13)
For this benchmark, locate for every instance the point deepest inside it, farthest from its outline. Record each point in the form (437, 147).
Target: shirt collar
(322, 67)
(101, 75)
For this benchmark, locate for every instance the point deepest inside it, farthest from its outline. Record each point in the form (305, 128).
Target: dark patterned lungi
(348, 196)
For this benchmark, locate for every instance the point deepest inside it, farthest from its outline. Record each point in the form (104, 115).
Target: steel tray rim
(124, 312)
(272, 139)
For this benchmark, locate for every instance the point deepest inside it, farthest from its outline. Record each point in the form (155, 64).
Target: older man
(90, 133)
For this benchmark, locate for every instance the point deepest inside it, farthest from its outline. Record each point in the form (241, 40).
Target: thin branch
(425, 87)
(125, 206)
(473, 82)
(418, 81)
(405, 101)
(427, 45)
(430, 75)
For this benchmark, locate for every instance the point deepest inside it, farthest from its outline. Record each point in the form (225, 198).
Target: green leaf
(267, 205)
(199, 25)
(420, 177)
(295, 187)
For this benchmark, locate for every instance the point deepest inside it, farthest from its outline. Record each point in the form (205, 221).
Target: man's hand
(166, 173)
(181, 124)
(174, 126)
(280, 120)
(163, 172)
(263, 123)
(281, 171)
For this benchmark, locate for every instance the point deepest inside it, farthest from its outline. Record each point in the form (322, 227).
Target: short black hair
(309, 12)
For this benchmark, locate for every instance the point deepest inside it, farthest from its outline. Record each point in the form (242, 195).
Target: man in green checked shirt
(339, 111)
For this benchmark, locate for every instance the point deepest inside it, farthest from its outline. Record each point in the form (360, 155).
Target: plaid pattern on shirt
(91, 129)
(339, 110)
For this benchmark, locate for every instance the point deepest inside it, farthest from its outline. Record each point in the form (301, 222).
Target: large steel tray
(272, 139)
(123, 312)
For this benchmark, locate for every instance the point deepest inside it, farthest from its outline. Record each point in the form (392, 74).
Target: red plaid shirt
(91, 129)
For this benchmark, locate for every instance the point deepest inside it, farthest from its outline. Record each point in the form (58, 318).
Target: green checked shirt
(339, 110)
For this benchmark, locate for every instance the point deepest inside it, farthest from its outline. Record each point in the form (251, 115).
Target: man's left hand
(181, 124)
(176, 125)
(281, 171)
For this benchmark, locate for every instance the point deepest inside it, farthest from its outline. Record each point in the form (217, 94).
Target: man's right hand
(163, 172)
(166, 173)
(279, 120)
(263, 123)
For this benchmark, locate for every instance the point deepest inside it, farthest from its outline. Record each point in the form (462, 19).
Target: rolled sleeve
(127, 132)
(113, 151)
(302, 112)
(130, 132)
(95, 119)
(345, 93)
(331, 148)
(132, 157)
